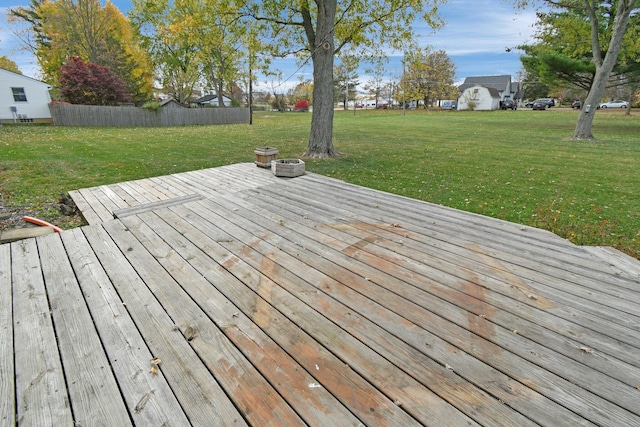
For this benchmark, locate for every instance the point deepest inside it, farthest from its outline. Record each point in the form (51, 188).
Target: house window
(18, 94)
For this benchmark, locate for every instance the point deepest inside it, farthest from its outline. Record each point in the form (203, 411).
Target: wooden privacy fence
(93, 115)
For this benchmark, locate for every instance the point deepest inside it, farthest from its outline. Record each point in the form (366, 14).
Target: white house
(482, 92)
(211, 101)
(479, 98)
(23, 99)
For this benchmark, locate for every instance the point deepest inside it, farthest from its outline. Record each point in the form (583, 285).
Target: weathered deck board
(310, 301)
(93, 391)
(199, 394)
(149, 399)
(134, 210)
(510, 238)
(87, 208)
(41, 391)
(7, 384)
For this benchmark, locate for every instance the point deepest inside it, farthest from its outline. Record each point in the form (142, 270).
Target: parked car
(548, 101)
(614, 104)
(539, 105)
(576, 105)
(449, 105)
(509, 104)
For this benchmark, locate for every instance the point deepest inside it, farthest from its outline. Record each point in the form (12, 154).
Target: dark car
(509, 104)
(539, 105)
(576, 105)
(548, 101)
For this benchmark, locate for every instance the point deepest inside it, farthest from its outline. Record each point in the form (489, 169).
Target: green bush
(151, 105)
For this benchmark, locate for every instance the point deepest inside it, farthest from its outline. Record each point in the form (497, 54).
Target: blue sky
(476, 36)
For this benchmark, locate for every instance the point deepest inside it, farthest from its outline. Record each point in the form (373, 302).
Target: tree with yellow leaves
(87, 30)
(428, 76)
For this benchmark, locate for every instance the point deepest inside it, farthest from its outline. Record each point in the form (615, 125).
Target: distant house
(170, 103)
(23, 99)
(487, 92)
(479, 97)
(211, 101)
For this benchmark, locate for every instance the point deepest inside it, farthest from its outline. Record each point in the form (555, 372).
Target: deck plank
(7, 383)
(93, 390)
(136, 193)
(170, 186)
(199, 394)
(134, 210)
(41, 391)
(116, 199)
(149, 398)
(105, 195)
(96, 205)
(85, 207)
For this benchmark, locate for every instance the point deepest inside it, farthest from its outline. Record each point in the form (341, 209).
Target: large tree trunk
(322, 43)
(603, 67)
(219, 93)
(588, 111)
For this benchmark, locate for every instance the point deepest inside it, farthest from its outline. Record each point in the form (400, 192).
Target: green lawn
(514, 165)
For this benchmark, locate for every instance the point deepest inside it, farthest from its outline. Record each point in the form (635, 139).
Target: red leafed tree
(91, 84)
(302, 105)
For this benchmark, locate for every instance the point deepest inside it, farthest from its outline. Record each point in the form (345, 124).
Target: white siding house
(493, 87)
(479, 98)
(212, 101)
(23, 99)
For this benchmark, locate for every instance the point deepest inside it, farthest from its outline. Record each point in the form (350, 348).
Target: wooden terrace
(228, 296)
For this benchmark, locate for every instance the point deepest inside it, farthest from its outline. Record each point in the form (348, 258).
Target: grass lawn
(514, 165)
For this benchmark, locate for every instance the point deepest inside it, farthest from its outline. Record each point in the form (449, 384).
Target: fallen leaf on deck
(154, 365)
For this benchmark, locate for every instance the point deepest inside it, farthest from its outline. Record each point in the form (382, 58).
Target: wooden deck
(273, 301)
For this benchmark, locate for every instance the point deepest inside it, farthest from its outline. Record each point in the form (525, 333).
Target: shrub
(151, 105)
(302, 105)
(88, 83)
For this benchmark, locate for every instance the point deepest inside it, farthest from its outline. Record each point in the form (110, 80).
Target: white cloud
(480, 27)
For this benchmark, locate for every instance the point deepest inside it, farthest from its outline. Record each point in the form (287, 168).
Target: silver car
(614, 104)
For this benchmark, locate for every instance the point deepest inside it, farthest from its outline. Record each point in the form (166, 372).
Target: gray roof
(208, 98)
(499, 83)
